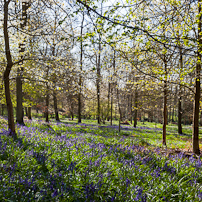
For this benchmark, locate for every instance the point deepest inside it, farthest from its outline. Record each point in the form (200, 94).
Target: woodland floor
(66, 161)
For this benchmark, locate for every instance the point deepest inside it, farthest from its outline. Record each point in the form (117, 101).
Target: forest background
(125, 60)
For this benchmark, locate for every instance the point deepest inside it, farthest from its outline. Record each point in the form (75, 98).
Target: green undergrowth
(58, 162)
(150, 133)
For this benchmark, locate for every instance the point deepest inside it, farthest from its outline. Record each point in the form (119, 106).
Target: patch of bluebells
(43, 166)
(68, 127)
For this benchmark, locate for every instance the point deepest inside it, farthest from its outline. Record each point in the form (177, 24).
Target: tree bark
(170, 108)
(180, 90)
(180, 114)
(29, 113)
(195, 135)
(135, 111)
(19, 93)
(120, 114)
(19, 109)
(131, 108)
(165, 116)
(47, 104)
(55, 106)
(179, 123)
(174, 103)
(11, 124)
(79, 107)
(111, 105)
(128, 108)
(108, 98)
(72, 114)
(80, 76)
(98, 81)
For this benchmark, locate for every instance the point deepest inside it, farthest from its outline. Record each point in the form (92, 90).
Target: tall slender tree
(195, 135)
(19, 93)
(81, 68)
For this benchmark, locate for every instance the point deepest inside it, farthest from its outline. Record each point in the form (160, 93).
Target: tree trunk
(131, 109)
(172, 119)
(180, 114)
(135, 102)
(11, 124)
(170, 108)
(165, 116)
(120, 115)
(55, 106)
(79, 107)
(165, 113)
(80, 76)
(195, 135)
(200, 119)
(111, 105)
(135, 111)
(108, 98)
(19, 112)
(19, 93)
(29, 114)
(179, 123)
(119, 105)
(128, 108)
(103, 117)
(98, 82)
(72, 114)
(174, 103)
(180, 94)
(47, 104)
(98, 98)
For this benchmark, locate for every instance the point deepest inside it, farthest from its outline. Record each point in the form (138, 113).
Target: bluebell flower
(55, 193)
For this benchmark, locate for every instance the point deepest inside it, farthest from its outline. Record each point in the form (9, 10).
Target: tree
(81, 68)
(19, 94)
(195, 135)
(9, 65)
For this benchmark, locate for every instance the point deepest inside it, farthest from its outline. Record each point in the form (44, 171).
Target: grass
(85, 162)
(147, 131)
